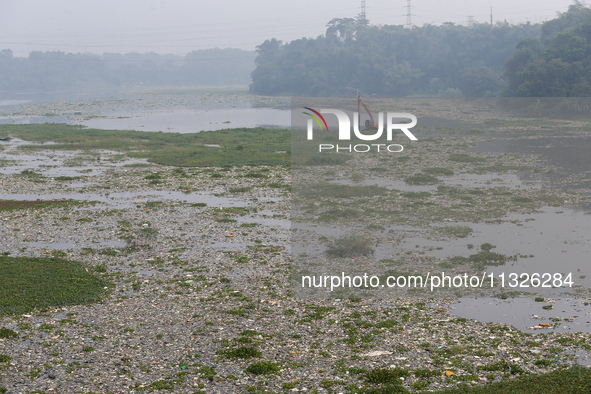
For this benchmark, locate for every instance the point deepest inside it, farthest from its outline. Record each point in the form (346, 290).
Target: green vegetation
(438, 171)
(28, 283)
(336, 214)
(550, 67)
(386, 389)
(466, 158)
(264, 147)
(242, 352)
(12, 205)
(454, 231)
(351, 45)
(380, 375)
(573, 380)
(263, 368)
(352, 246)
(342, 191)
(7, 333)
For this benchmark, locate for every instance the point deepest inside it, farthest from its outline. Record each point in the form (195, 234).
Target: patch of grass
(244, 352)
(544, 363)
(438, 171)
(352, 246)
(387, 389)
(319, 312)
(251, 333)
(336, 214)
(454, 231)
(28, 283)
(260, 146)
(30, 173)
(465, 158)
(12, 205)
(573, 380)
(66, 178)
(342, 191)
(389, 323)
(7, 333)
(499, 168)
(263, 368)
(416, 195)
(522, 200)
(239, 189)
(249, 224)
(380, 375)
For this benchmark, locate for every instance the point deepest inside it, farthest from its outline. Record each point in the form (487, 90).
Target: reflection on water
(179, 112)
(193, 121)
(553, 240)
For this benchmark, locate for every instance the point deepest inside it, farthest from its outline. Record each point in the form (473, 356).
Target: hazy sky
(180, 26)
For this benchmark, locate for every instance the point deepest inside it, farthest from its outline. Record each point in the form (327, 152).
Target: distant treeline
(550, 59)
(48, 71)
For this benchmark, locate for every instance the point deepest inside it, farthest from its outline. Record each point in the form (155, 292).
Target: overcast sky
(180, 26)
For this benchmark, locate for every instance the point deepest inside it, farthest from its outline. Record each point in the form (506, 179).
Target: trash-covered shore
(205, 302)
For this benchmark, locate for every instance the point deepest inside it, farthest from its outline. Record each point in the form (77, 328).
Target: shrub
(352, 246)
(379, 375)
(263, 368)
(7, 333)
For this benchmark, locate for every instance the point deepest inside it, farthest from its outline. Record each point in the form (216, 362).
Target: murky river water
(549, 240)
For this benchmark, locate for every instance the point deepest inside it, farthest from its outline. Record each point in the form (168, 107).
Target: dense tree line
(559, 64)
(390, 60)
(48, 71)
(446, 60)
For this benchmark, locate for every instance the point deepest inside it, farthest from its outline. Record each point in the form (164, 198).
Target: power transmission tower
(363, 13)
(408, 15)
(491, 16)
(470, 20)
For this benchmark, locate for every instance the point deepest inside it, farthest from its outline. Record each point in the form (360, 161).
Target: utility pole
(408, 15)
